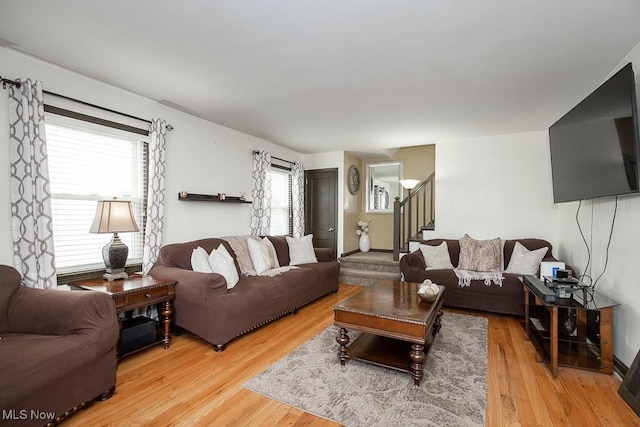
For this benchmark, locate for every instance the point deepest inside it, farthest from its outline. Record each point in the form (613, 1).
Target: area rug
(452, 391)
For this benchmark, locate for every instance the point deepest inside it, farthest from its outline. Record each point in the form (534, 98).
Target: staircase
(413, 215)
(365, 268)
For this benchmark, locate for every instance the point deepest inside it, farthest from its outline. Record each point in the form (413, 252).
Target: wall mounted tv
(595, 147)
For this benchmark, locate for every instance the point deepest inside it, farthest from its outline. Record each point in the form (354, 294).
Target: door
(321, 206)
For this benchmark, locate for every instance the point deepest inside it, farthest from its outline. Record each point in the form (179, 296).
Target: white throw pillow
(263, 255)
(221, 262)
(272, 252)
(436, 257)
(200, 261)
(301, 250)
(523, 261)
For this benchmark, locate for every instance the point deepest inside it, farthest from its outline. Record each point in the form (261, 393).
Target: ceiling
(354, 75)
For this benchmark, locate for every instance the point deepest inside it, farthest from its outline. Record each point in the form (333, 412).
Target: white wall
(202, 157)
(620, 281)
(497, 186)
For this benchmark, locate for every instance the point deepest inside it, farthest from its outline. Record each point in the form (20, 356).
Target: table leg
(167, 310)
(554, 341)
(438, 321)
(343, 340)
(527, 301)
(417, 356)
(120, 326)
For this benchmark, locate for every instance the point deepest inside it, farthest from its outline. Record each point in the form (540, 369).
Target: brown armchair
(57, 351)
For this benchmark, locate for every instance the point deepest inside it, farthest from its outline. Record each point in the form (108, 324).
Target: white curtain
(297, 195)
(155, 194)
(31, 219)
(261, 194)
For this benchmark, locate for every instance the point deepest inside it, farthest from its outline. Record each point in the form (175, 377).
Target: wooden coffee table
(397, 326)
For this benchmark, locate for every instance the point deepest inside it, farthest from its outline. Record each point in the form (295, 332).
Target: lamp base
(114, 276)
(115, 255)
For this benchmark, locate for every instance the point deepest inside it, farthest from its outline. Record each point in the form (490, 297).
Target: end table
(138, 291)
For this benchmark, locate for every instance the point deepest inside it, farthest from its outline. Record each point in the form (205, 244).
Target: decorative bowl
(427, 298)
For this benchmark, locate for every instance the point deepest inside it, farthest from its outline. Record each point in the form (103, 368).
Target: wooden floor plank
(191, 384)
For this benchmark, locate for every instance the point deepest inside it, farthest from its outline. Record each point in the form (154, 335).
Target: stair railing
(413, 214)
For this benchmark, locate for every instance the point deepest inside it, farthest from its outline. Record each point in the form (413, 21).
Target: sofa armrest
(195, 294)
(412, 266)
(191, 281)
(325, 254)
(53, 312)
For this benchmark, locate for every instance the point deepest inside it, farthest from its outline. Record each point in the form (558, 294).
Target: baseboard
(355, 251)
(619, 367)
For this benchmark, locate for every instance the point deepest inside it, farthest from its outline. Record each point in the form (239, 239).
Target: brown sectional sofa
(205, 307)
(506, 299)
(57, 351)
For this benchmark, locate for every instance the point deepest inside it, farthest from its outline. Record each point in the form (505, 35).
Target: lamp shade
(114, 216)
(409, 184)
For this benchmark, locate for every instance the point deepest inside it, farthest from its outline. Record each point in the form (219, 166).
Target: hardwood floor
(191, 384)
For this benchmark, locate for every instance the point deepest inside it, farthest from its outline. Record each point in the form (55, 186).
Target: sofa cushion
(200, 261)
(263, 255)
(282, 249)
(436, 257)
(477, 255)
(301, 250)
(222, 263)
(179, 254)
(218, 261)
(531, 244)
(523, 261)
(452, 244)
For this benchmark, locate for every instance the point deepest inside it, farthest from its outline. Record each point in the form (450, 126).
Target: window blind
(88, 163)
(281, 214)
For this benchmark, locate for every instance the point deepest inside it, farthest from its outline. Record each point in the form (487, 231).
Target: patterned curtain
(155, 194)
(297, 195)
(31, 218)
(261, 194)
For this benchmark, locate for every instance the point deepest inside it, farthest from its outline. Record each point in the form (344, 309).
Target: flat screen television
(595, 147)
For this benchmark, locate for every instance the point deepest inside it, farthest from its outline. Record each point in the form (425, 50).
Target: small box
(137, 332)
(546, 268)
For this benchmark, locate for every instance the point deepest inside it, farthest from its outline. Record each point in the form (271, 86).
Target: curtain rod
(277, 158)
(16, 83)
(11, 82)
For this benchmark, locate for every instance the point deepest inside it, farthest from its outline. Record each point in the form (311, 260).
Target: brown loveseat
(205, 307)
(57, 351)
(507, 299)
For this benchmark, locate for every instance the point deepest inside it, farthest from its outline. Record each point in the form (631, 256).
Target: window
(281, 202)
(88, 163)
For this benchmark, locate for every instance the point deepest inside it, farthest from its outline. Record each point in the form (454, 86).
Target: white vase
(365, 243)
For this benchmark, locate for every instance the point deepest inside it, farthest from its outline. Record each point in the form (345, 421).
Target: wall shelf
(193, 197)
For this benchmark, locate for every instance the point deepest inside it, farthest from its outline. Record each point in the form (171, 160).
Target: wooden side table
(138, 291)
(571, 332)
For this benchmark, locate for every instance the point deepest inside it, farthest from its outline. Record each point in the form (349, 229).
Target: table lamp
(114, 216)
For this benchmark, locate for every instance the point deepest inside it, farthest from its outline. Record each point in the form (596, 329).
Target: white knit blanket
(241, 248)
(466, 276)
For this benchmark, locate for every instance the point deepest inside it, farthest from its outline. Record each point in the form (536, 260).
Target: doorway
(321, 206)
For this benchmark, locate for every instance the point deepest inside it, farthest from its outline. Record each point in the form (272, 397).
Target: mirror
(383, 186)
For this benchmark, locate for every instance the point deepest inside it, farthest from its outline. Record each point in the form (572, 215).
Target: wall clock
(353, 179)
